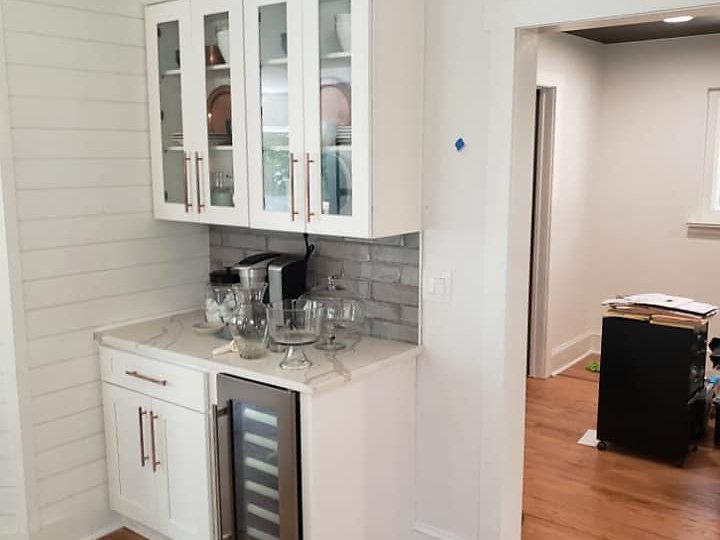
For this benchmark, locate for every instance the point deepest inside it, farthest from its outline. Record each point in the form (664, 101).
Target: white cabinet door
(337, 116)
(170, 78)
(182, 463)
(128, 443)
(274, 82)
(220, 159)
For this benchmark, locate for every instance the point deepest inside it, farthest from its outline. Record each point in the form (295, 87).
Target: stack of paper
(661, 308)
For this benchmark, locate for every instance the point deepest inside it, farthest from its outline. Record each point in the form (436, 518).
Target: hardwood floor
(574, 492)
(122, 534)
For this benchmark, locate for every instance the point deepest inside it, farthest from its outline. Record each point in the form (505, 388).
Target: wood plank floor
(573, 492)
(122, 534)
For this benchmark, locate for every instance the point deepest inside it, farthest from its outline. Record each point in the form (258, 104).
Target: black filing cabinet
(652, 397)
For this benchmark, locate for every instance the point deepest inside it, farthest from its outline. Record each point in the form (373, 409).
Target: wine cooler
(257, 461)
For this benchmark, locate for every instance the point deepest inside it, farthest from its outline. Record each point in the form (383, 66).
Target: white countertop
(173, 340)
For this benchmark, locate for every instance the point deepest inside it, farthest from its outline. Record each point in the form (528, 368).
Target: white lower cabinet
(158, 463)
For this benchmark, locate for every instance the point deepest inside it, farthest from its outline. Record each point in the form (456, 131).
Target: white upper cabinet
(325, 133)
(197, 111)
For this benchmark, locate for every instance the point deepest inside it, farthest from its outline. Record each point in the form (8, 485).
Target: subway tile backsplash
(384, 272)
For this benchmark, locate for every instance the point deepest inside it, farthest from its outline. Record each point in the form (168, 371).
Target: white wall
(574, 66)
(476, 217)
(91, 253)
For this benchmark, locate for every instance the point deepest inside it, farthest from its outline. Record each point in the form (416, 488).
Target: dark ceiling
(651, 30)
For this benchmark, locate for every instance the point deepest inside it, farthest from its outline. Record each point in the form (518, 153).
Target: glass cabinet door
(220, 158)
(337, 125)
(168, 40)
(275, 114)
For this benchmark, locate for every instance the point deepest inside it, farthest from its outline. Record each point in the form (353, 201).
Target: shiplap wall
(92, 254)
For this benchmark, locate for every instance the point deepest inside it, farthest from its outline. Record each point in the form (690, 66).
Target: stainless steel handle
(292, 163)
(198, 159)
(308, 161)
(138, 375)
(143, 457)
(153, 449)
(188, 203)
(224, 472)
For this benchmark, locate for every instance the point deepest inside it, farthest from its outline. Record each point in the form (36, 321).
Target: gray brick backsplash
(409, 314)
(380, 310)
(395, 293)
(392, 254)
(384, 272)
(390, 330)
(338, 249)
(410, 275)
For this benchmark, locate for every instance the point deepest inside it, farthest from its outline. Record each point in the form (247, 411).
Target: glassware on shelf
(295, 328)
(222, 189)
(341, 312)
(249, 322)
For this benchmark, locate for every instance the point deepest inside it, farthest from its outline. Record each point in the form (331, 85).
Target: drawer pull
(137, 375)
(143, 457)
(153, 448)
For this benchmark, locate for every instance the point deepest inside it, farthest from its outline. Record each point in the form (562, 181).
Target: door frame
(538, 352)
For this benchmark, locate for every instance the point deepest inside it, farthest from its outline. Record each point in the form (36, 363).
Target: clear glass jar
(220, 297)
(248, 323)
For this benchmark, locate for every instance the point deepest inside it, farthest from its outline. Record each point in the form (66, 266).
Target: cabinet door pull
(188, 202)
(143, 457)
(308, 161)
(292, 163)
(153, 449)
(198, 159)
(137, 375)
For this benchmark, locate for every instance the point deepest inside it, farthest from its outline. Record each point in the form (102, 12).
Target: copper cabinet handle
(153, 449)
(143, 457)
(292, 162)
(198, 159)
(188, 203)
(308, 161)
(138, 375)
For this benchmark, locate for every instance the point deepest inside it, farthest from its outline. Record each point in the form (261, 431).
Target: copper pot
(213, 56)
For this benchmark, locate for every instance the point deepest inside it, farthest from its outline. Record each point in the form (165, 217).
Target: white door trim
(538, 352)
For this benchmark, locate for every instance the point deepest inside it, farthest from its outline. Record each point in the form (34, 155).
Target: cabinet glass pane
(274, 98)
(257, 474)
(218, 100)
(171, 112)
(336, 106)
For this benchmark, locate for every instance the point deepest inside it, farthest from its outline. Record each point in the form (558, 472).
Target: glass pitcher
(248, 324)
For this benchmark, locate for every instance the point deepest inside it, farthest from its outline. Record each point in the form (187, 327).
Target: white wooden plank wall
(92, 254)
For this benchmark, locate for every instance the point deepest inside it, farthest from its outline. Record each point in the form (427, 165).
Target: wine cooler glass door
(257, 458)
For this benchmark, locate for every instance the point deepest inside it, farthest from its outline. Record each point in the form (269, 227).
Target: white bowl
(223, 42)
(343, 25)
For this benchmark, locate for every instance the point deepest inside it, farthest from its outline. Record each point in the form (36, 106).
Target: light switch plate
(438, 287)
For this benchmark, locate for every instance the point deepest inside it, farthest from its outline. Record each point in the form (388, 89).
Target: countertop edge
(211, 367)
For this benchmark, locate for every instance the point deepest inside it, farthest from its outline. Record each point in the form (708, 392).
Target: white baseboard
(423, 531)
(574, 351)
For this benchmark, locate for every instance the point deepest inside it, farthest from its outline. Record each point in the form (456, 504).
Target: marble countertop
(172, 339)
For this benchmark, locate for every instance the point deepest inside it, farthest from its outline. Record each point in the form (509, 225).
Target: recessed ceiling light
(679, 19)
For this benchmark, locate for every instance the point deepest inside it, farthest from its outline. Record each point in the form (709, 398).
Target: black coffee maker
(284, 274)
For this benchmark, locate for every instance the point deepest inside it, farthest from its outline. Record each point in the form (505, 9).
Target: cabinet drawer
(175, 384)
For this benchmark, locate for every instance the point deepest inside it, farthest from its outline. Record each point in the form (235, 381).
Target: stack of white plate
(177, 138)
(218, 139)
(343, 135)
